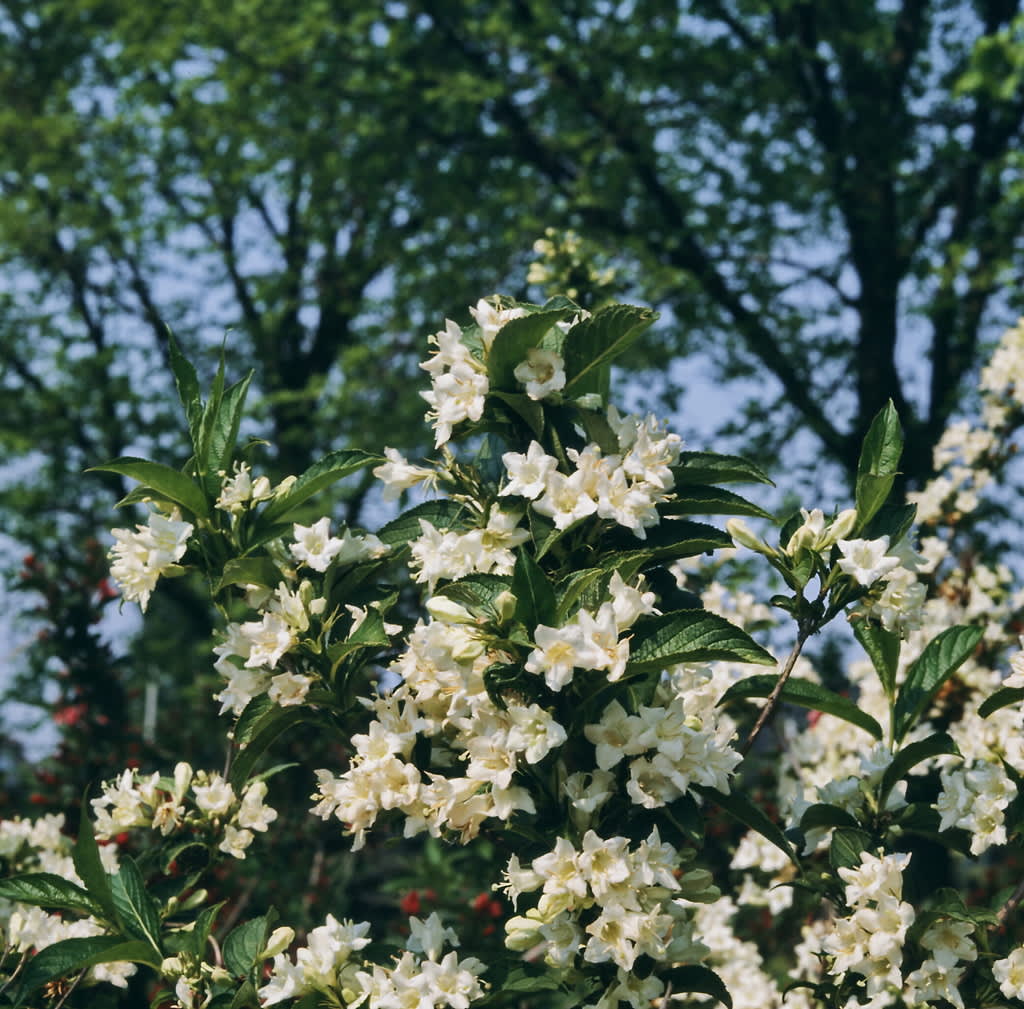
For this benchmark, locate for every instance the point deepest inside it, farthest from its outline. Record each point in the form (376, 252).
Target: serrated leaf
(369, 634)
(737, 805)
(332, 467)
(535, 598)
(574, 587)
(168, 483)
(912, 755)
(1002, 698)
(202, 928)
(942, 657)
(442, 514)
(893, 521)
(85, 856)
(528, 978)
(878, 463)
(512, 342)
(249, 720)
(673, 539)
(883, 649)
(592, 345)
(137, 910)
(695, 977)
(249, 571)
(847, 844)
(476, 592)
(69, 956)
(805, 694)
(713, 468)
(701, 499)
(244, 944)
(529, 410)
(691, 636)
(47, 890)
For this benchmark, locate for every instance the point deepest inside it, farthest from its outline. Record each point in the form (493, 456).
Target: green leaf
(512, 342)
(69, 956)
(138, 911)
(847, 844)
(712, 468)
(321, 474)
(574, 588)
(878, 463)
(535, 598)
(737, 805)
(1002, 698)
(912, 755)
(249, 571)
(805, 694)
(369, 634)
(168, 483)
(701, 499)
(823, 814)
(477, 593)
(883, 648)
(591, 345)
(942, 657)
(275, 722)
(669, 541)
(187, 382)
(692, 636)
(244, 944)
(221, 433)
(85, 855)
(249, 720)
(442, 514)
(696, 977)
(529, 978)
(529, 410)
(47, 890)
(893, 521)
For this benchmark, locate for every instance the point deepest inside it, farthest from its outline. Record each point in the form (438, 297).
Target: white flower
(289, 689)
(398, 474)
(491, 319)
(214, 798)
(543, 372)
(314, 544)
(528, 474)
(139, 558)
(866, 560)
(1009, 973)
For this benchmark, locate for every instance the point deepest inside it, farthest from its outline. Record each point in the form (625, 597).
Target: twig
(773, 698)
(1010, 906)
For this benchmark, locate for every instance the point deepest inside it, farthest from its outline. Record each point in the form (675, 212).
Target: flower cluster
(139, 558)
(326, 965)
(213, 808)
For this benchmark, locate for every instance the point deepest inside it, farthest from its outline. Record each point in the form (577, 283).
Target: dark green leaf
(477, 593)
(69, 956)
(878, 463)
(168, 483)
(47, 890)
(249, 571)
(692, 636)
(701, 499)
(942, 657)
(912, 755)
(593, 344)
(737, 805)
(512, 342)
(187, 381)
(847, 844)
(529, 410)
(575, 587)
(264, 735)
(223, 433)
(137, 910)
(249, 720)
(696, 977)
(893, 521)
(244, 944)
(85, 855)
(1002, 698)
(535, 599)
(805, 694)
(673, 539)
(883, 648)
(712, 468)
(823, 814)
(321, 474)
(529, 978)
(442, 514)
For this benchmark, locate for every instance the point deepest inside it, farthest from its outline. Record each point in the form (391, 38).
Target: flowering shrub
(569, 693)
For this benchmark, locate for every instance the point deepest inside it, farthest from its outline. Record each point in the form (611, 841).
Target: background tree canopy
(824, 197)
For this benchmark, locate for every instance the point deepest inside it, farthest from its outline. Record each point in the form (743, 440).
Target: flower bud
(280, 939)
(182, 779)
(505, 604)
(447, 611)
(743, 535)
(842, 525)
